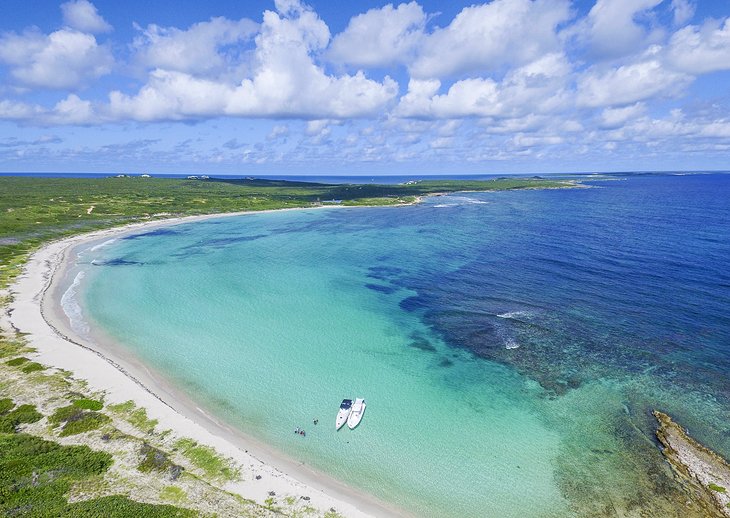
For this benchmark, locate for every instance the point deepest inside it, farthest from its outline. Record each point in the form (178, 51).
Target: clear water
(511, 345)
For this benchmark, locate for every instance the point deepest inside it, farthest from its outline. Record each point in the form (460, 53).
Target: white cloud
(611, 29)
(14, 110)
(199, 49)
(482, 38)
(538, 87)
(628, 84)
(699, 50)
(63, 59)
(616, 117)
(284, 81)
(684, 10)
(82, 15)
(278, 131)
(380, 37)
(71, 110)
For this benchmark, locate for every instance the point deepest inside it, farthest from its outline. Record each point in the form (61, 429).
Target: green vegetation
(154, 459)
(88, 404)
(717, 488)
(122, 507)
(76, 420)
(137, 417)
(206, 459)
(34, 210)
(32, 367)
(16, 362)
(10, 419)
(6, 405)
(173, 494)
(35, 476)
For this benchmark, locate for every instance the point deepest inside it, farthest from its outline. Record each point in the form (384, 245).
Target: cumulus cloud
(612, 118)
(611, 29)
(628, 84)
(538, 87)
(699, 50)
(380, 37)
(482, 38)
(83, 16)
(63, 59)
(285, 81)
(203, 48)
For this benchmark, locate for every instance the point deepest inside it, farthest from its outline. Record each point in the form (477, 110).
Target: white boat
(358, 409)
(343, 413)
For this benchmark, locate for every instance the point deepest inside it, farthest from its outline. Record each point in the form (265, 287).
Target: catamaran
(358, 409)
(343, 413)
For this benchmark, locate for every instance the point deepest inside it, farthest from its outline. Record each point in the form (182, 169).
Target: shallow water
(510, 345)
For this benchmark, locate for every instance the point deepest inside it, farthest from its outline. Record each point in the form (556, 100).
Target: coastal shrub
(16, 362)
(717, 488)
(63, 414)
(77, 420)
(173, 494)
(88, 404)
(35, 473)
(11, 347)
(86, 422)
(137, 417)
(6, 405)
(32, 367)
(206, 459)
(121, 506)
(154, 459)
(9, 421)
(122, 408)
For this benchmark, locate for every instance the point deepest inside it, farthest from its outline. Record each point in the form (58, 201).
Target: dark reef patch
(381, 289)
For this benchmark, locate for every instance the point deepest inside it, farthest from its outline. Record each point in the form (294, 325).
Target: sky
(358, 88)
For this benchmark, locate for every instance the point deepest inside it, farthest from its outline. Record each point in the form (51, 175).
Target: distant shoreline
(36, 310)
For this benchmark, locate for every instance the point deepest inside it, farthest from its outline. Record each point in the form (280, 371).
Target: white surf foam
(514, 314)
(105, 243)
(73, 309)
(511, 344)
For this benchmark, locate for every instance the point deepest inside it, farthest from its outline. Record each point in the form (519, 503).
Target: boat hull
(358, 409)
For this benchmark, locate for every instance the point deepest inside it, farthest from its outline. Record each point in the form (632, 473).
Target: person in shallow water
(315, 421)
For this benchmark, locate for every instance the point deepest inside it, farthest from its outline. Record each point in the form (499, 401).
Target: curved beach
(36, 311)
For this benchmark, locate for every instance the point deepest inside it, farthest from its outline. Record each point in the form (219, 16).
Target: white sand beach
(36, 311)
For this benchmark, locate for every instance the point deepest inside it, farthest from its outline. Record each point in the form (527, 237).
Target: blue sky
(286, 87)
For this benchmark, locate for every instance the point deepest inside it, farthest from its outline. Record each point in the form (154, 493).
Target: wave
(511, 344)
(514, 314)
(455, 201)
(105, 243)
(72, 308)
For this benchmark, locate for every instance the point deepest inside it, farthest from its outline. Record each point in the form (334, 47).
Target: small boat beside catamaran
(343, 413)
(358, 409)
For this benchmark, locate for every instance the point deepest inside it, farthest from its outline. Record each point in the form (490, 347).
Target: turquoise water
(510, 345)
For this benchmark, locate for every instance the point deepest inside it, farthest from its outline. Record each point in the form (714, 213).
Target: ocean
(510, 345)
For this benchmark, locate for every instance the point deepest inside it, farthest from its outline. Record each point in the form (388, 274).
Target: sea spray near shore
(281, 319)
(72, 308)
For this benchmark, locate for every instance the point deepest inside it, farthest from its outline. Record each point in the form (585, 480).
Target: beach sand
(36, 311)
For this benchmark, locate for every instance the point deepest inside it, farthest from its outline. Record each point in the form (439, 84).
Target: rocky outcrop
(705, 475)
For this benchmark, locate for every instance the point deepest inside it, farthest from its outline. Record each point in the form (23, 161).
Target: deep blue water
(549, 322)
(337, 179)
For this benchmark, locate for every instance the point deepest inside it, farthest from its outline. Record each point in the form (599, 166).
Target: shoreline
(36, 311)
